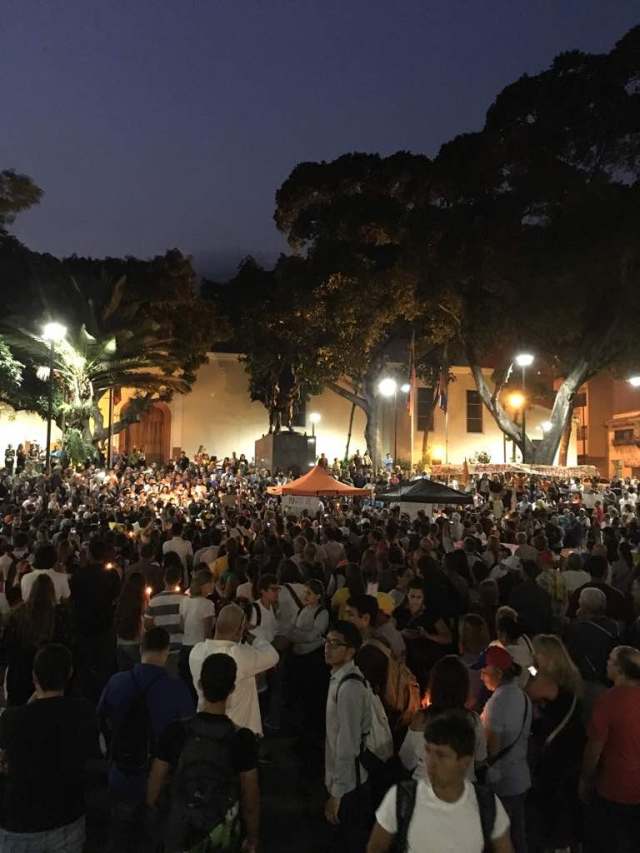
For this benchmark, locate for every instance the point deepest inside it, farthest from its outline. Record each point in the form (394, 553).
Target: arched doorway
(152, 434)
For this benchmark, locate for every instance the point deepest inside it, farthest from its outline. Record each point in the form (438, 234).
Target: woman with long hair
(448, 690)
(129, 619)
(33, 624)
(558, 739)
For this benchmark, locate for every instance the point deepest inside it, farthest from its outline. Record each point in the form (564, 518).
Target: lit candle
(108, 565)
(177, 589)
(148, 591)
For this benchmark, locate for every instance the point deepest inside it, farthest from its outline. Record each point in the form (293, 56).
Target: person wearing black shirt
(426, 633)
(46, 745)
(94, 592)
(217, 680)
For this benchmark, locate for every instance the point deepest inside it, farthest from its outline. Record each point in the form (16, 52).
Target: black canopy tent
(424, 491)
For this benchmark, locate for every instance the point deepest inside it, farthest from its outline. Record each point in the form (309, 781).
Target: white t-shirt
(60, 583)
(439, 827)
(268, 627)
(193, 612)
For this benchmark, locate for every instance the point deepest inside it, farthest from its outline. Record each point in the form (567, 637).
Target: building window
(425, 409)
(300, 415)
(474, 412)
(623, 436)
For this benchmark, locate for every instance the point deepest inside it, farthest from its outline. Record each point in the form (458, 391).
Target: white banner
(296, 504)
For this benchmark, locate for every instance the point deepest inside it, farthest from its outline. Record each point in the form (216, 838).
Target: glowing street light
(516, 400)
(405, 388)
(546, 426)
(52, 333)
(634, 381)
(314, 418)
(524, 359)
(387, 387)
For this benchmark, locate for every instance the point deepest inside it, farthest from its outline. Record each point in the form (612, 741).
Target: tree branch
(356, 399)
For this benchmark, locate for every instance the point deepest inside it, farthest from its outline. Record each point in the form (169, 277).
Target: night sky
(159, 123)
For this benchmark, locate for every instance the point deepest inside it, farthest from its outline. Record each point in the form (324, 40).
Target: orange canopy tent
(316, 483)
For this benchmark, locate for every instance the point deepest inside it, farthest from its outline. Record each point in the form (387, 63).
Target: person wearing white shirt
(263, 623)
(290, 598)
(45, 560)
(447, 811)
(181, 547)
(252, 658)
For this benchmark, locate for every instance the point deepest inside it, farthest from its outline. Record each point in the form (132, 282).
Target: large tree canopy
(524, 234)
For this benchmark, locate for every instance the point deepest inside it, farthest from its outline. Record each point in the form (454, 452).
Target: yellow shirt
(339, 601)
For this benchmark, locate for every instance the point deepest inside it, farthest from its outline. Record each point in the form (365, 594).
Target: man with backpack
(445, 812)
(348, 722)
(135, 709)
(214, 796)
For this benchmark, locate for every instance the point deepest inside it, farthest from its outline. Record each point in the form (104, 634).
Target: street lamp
(52, 333)
(546, 426)
(634, 381)
(314, 418)
(524, 360)
(388, 387)
(405, 388)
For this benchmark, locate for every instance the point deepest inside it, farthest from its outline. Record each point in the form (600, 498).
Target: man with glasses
(348, 721)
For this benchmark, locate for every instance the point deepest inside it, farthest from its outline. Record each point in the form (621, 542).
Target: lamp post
(52, 333)
(388, 388)
(314, 418)
(517, 401)
(524, 360)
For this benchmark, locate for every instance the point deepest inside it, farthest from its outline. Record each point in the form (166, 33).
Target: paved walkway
(293, 799)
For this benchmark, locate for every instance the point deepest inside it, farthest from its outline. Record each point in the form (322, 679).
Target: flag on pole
(443, 382)
(413, 382)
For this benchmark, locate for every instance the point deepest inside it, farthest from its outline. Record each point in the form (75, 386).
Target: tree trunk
(351, 416)
(566, 439)
(544, 451)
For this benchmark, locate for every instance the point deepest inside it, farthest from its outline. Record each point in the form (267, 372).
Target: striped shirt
(164, 609)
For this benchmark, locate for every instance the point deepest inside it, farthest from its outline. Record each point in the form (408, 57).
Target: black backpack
(205, 798)
(132, 739)
(406, 801)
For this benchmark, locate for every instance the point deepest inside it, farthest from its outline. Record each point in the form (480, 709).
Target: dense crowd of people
(467, 682)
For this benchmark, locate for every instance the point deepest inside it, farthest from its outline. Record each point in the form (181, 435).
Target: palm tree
(119, 336)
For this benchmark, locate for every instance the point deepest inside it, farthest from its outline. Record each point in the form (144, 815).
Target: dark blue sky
(159, 123)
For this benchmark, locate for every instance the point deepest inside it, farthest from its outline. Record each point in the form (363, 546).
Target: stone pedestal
(286, 451)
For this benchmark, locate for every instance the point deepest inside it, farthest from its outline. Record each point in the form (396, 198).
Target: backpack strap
(294, 595)
(405, 805)
(487, 808)
(319, 609)
(352, 676)
(256, 609)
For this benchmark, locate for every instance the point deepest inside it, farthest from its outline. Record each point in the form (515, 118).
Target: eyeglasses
(334, 644)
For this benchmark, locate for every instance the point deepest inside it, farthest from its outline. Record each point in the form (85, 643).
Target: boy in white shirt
(447, 812)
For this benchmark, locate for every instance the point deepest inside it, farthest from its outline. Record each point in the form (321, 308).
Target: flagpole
(446, 435)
